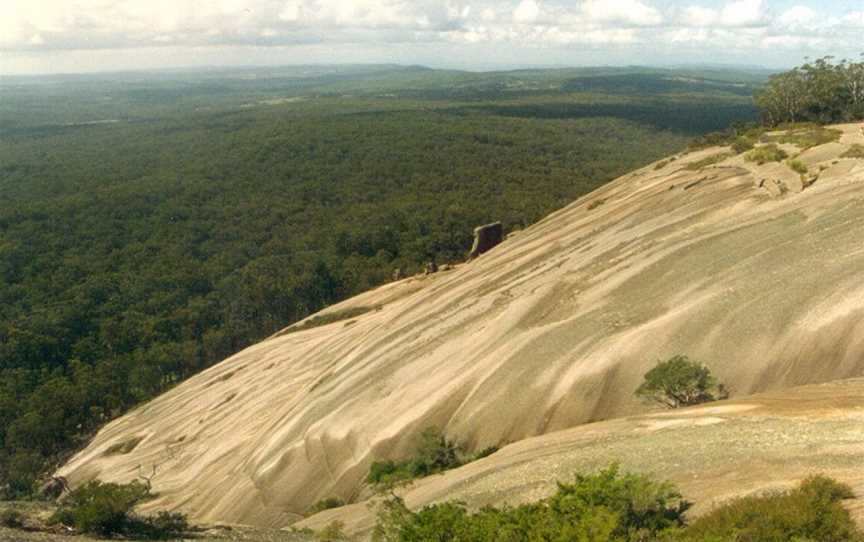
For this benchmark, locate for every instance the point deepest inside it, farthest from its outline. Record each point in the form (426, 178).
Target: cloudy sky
(54, 36)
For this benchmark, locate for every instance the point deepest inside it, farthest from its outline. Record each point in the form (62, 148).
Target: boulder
(485, 238)
(53, 488)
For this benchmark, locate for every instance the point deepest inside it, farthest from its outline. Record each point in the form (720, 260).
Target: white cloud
(629, 12)
(526, 12)
(697, 16)
(743, 13)
(51, 26)
(797, 16)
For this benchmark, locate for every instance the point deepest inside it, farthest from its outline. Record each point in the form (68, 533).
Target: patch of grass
(743, 144)
(327, 504)
(855, 151)
(122, 448)
(708, 161)
(485, 452)
(333, 532)
(329, 318)
(12, 519)
(797, 166)
(806, 136)
(766, 153)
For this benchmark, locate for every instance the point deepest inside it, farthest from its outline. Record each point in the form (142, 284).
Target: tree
(679, 382)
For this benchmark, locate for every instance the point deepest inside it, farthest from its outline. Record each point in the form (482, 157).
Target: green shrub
(602, 507)
(811, 512)
(332, 532)
(434, 454)
(122, 448)
(855, 151)
(766, 153)
(680, 381)
(327, 504)
(743, 144)
(485, 452)
(105, 509)
(12, 519)
(797, 166)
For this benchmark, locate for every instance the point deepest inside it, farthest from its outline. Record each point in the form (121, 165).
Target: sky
(76, 36)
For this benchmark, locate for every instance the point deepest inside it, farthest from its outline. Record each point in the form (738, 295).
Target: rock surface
(711, 452)
(553, 328)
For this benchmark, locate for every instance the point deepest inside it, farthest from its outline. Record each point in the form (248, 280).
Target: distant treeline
(821, 91)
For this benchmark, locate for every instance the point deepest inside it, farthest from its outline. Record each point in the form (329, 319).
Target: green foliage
(743, 144)
(485, 452)
(855, 151)
(12, 519)
(215, 211)
(329, 318)
(708, 161)
(608, 506)
(811, 512)
(821, 91)
(327, 504)
(433, 454)
(333, 532)
(806, 136)
(122, 448)
(105, 509)
(797, 166)
(766, 153)
(679, 382)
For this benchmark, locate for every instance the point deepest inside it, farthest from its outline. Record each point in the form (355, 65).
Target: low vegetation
(104, 509)
(766, 153)
(855, 151)
(679, 382)
(797, 166)
(708, 161)
(12, 519)
(611, 506)
(329, 318)
(806, 137)
(811, 512)
(327, 504)
(434, 454)
(122, 448)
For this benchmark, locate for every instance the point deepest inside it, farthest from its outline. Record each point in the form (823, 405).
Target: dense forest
(151, 225)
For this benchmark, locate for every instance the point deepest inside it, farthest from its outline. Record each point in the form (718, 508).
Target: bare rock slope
(711, 453)
(553, 328)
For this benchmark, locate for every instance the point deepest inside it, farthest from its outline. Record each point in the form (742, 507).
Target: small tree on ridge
(679, 382)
